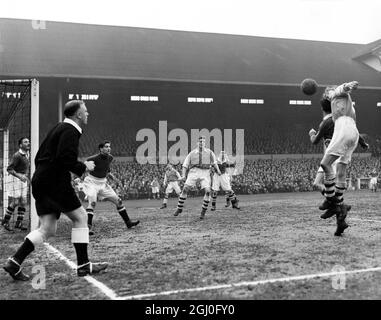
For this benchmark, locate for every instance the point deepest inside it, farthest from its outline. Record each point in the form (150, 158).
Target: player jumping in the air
(95, 186)
(223, 181)
(325, 132)
(171, 183)
(197, 165)
(343, 143)
(18, 185)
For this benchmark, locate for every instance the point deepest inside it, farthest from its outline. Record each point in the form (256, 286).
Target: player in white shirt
(223, 181)
(344, 142)
(171, 181)
(197, 164)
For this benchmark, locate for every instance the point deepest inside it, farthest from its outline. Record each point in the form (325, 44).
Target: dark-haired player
(171, 183)
(342, 145)
(196, 168)
(223, 181)
(17, 189)
(325, 132)
(95, 186)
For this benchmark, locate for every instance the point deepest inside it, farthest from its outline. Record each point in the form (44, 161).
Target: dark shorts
(57, 204)
(53, 191)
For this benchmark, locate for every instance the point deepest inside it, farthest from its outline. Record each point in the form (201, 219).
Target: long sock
(329, 184)
(123, 213)
(227, 198)
(8, 214)
(180, 203)
(90, 216)
(23, 251)
(339, 194)
(165, 198)
(205, 203)
(81, 250)
(214, 199)
(20, 214)
(232, 196)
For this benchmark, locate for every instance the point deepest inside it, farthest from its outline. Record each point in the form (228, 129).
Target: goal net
(19, 114)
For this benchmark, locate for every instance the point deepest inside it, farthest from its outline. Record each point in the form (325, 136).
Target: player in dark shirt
(56, 159)
(17, 185)
(95, 186)
(325, 132)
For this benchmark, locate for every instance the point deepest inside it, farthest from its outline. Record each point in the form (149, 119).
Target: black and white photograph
(190, 155)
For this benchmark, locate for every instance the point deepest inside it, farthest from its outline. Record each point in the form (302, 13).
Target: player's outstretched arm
(348, 87)
(343, 88)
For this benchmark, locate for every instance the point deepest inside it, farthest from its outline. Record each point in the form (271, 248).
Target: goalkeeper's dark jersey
(325, 131)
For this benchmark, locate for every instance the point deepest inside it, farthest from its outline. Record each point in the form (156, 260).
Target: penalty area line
(99, 285)
(250, 283)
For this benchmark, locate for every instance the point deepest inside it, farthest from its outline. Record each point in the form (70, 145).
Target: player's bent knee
(37, 237)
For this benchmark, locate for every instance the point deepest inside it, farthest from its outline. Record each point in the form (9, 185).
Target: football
(309, 86)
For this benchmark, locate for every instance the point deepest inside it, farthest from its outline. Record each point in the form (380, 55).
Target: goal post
(34, 136)
(19, 117)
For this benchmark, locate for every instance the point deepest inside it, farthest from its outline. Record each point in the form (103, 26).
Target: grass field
(275, 247)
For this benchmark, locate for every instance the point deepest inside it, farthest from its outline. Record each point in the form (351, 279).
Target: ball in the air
(309, 86)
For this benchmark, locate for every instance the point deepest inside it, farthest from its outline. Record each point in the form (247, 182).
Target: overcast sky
(326, 20)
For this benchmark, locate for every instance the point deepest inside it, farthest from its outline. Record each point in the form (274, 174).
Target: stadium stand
(259, 176)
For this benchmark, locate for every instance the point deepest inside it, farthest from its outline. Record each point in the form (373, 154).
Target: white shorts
(344, 140)
(16, 188)
(201, 175)
(174, 185)
(222, 181)
(155, 189)
(96, 188)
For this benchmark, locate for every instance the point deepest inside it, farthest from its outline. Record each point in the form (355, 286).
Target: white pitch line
(248, 283)
(102, 287)
(369, 220)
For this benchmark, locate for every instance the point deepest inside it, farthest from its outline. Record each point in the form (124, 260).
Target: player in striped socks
(223, 181)
(325, 132)
(196, 167)
(343, 143)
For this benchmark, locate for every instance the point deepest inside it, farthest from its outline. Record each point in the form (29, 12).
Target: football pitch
(275, 247)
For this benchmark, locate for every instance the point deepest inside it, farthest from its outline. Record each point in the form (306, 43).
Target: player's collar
(23, 152)
(327, 116)
(67, 120)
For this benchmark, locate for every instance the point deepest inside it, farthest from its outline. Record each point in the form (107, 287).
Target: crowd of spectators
(259, 176)
(257, 141)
